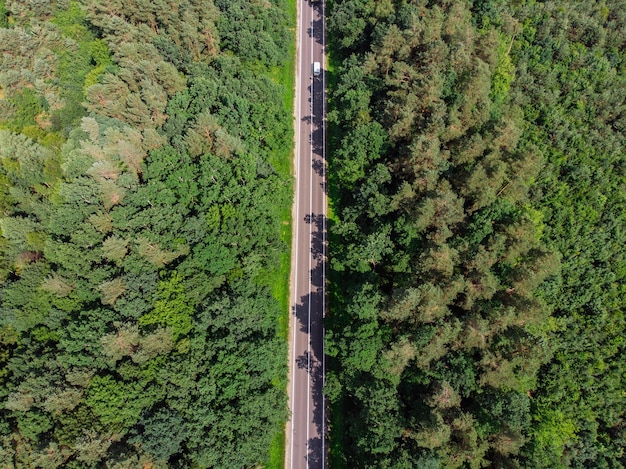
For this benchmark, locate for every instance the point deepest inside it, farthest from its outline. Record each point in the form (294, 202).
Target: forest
(477, 254)
(145, 197)
(478, 238)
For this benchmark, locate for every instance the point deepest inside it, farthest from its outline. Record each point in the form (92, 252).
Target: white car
(317, 69)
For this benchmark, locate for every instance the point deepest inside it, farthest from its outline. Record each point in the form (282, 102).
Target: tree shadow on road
(309, 315)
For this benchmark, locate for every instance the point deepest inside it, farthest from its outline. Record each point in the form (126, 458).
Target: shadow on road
(309, 317)
(309, 308)
(316, 28)
(316, 122)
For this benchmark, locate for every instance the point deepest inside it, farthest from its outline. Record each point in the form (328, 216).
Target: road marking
(295, 246)
(324, 202)
(306, 14)
(311, 224)
(308, 388)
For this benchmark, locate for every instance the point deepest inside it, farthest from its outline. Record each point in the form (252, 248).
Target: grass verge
(276, 458)
(285, 76)
(336, 457)
(332, 137)
(284, 165)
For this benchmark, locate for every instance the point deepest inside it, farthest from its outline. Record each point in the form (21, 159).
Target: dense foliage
(478, 246)
(144, 180)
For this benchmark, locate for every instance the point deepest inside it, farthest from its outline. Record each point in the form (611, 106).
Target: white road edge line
(324, 202)
(308, 389)
(295, 227)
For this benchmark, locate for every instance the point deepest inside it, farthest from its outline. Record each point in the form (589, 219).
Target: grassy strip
(336, 457)
(332, 137)
(283, 162)
(277, 452)
(280, 279)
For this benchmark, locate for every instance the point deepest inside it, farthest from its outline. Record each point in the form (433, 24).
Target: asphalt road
(306, 445)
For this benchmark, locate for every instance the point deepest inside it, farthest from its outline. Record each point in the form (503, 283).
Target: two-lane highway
(306, 445)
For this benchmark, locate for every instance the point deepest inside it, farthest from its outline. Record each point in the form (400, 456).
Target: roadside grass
(283, 162)
(336, 457)
(331, 138)
(276, 458)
